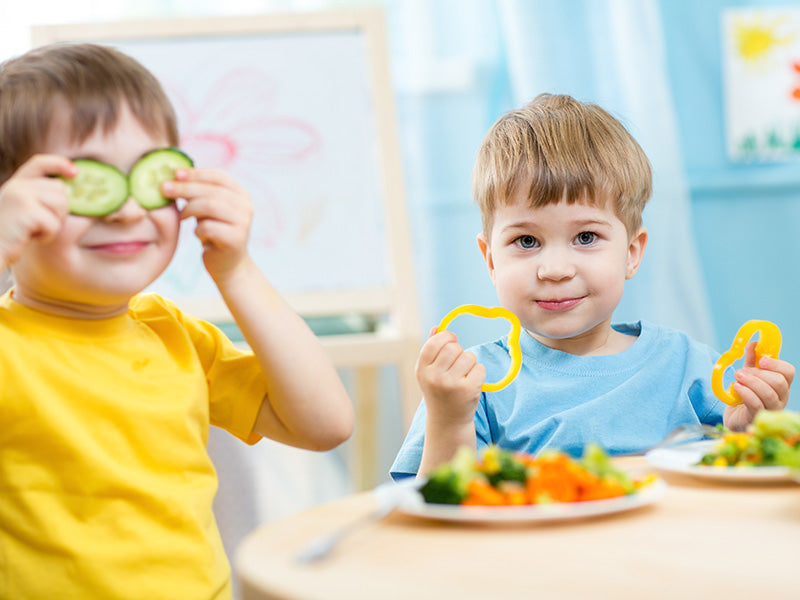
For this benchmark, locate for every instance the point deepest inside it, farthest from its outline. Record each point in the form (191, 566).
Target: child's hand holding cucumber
(33, 204)
(223, 212)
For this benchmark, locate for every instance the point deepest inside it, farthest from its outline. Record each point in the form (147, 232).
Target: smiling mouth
(120, 248)
(554, 305)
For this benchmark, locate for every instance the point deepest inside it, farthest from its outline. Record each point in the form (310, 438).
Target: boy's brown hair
(91, 80)
(561, 148)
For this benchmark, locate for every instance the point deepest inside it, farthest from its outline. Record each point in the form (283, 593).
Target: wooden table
(701, 540)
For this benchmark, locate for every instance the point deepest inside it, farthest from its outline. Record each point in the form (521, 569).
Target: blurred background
(725, 213)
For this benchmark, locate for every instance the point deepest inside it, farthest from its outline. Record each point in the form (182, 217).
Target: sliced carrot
(514, 493)
(603, 488)
(551, 477)
(481, 492)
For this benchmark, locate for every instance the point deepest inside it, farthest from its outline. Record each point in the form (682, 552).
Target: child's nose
(555, 265)
(129, 211)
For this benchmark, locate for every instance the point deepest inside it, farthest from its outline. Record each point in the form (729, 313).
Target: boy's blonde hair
(93, 82)
(561, 148)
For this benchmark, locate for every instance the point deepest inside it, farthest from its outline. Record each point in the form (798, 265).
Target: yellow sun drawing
(755, 38)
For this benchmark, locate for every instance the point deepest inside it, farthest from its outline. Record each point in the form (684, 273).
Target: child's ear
(636, 247)
(486, 250)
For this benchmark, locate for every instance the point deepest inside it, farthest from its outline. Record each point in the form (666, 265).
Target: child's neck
(599, 341)
(73, 310)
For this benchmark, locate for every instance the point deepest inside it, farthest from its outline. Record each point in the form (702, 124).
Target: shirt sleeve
(700, 364)
(236, 383)
(409, 457)
(406, 463)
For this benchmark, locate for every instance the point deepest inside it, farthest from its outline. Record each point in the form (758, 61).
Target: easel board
(298, 109)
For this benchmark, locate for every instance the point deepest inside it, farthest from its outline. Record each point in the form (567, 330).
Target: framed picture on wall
(761, 83)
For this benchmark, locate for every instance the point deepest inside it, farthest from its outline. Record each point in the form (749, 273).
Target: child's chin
(556, 333)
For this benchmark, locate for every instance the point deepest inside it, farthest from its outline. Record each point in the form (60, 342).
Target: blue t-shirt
(624, 402)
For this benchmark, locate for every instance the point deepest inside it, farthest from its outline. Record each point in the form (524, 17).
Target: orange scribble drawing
(796, 89)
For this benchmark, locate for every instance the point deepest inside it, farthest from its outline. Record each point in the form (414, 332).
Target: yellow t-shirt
(105, 483)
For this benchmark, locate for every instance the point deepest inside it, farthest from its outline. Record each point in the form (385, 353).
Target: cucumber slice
(98, 189)
(153, 169)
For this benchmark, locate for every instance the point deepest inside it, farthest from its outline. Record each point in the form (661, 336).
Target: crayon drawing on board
(298, 109)
(286, 120)
(761, 69)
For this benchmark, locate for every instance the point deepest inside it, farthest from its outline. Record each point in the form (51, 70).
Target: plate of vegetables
(504, 486)
(768, 452)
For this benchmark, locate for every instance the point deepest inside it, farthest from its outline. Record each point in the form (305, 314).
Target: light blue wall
(746, 217)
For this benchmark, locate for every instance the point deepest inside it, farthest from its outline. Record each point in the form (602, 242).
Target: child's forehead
(598, 202)
(72, 122)
(63, 132)
(520, 214)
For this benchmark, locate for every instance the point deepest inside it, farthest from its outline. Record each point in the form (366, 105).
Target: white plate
(683, 459)
(415, 505)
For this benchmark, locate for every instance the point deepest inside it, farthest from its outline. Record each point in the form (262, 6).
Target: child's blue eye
(526, 241)
(585, 238)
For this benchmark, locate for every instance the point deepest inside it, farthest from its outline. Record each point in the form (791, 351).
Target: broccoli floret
(708, 459)
(444, 486)
(778, 452)
(500, 465)
(447, 483)
(730, 451)
(596, 461)
(776, 423)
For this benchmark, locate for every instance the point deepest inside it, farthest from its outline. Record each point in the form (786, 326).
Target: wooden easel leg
(367, 397)
(410, 394)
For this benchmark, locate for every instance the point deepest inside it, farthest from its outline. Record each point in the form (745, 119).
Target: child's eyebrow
(593, 223)
(519, 225)
(95, 157)
(528, 224)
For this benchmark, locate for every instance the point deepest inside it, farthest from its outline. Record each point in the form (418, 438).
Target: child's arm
(451, 382)
(33, 204)
(765, 386)
(306, 403)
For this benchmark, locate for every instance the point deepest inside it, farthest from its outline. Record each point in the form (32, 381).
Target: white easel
(393, 304)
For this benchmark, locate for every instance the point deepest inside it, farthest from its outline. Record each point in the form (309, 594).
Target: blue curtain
(460, 64)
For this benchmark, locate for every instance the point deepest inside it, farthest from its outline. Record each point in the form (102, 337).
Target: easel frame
(396, 341)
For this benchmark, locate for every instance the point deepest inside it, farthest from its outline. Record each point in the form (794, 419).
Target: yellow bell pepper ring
(514, 350)
(769, 344)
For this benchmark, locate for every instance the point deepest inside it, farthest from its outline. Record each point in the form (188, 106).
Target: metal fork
(689, 432)
(388, 496)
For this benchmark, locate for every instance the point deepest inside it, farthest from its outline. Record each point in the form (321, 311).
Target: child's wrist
(449, 430)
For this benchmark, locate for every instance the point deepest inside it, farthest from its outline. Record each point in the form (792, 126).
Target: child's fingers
(463, 364)
(220, 235)
(44, 165)
(194, 183)
(777, 365)
(219, 209)
(750, 401)
(190, 189)
(769, 388)
(30, 194)
(209, 176)
(477, 375)
(434, 344)
(750, 354)
(447, 356)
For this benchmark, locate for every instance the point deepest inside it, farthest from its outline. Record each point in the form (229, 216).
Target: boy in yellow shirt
(107, 394)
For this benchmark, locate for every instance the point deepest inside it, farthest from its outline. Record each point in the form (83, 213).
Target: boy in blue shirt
(561, 186)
